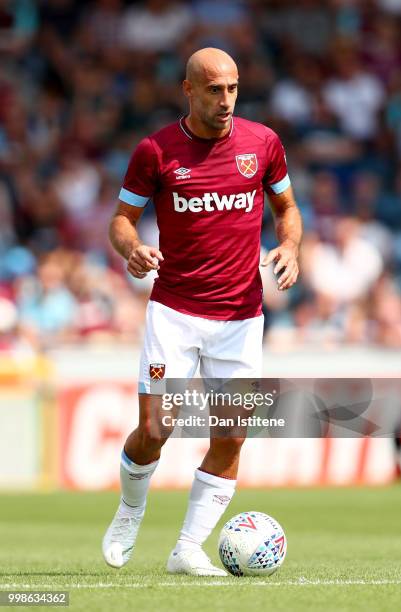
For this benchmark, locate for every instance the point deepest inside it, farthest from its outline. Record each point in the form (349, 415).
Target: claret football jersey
(208, 197)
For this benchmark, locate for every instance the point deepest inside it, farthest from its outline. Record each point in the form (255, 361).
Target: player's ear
(187, 88)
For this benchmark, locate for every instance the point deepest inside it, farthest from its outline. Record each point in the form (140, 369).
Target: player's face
(212, 100)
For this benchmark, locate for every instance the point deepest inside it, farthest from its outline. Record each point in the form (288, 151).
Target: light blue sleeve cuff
(132, 198)
(281, 185)
(142, 388)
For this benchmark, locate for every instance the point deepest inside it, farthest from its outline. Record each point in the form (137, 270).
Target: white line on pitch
(139, 585)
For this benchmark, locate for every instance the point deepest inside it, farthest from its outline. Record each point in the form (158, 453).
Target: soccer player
(206, 176)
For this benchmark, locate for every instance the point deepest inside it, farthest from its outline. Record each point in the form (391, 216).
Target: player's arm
(124, 237)
(140, 179)
(288, 224)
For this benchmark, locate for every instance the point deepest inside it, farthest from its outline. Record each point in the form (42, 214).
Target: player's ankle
(186, 545)
(130, 511)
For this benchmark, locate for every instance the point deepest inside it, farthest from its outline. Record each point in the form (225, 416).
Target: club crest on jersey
(157, 370)
(247, 164)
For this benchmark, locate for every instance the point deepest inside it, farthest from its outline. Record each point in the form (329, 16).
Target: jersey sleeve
(141, 177)
(276, 179)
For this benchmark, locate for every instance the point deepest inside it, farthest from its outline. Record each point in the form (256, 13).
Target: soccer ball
(252, 544)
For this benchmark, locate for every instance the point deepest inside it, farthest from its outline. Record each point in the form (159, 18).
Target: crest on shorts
(157, 370)
(247, 164)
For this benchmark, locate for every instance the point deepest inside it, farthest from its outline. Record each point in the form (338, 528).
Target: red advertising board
(94, 420)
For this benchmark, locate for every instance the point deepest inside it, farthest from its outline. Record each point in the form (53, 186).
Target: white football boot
(194, 562)
(119, 539)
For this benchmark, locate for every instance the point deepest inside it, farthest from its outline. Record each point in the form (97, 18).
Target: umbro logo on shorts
(210, 202)
(157, 370)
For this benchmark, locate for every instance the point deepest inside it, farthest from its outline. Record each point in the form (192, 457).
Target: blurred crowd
(82, 82)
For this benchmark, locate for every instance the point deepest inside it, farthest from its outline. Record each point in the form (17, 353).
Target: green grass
(344, 552)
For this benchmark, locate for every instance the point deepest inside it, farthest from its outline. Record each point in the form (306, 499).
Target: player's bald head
(209, 62)
(211, 86)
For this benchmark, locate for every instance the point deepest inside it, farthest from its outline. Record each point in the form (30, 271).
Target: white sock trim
(215, 481)
(131, 466)
(128, 510)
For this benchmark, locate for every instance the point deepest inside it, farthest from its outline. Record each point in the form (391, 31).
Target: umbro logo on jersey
(210, 202)
(182, 173)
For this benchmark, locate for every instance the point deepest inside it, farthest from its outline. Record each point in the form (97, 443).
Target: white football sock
(135, 480)
(210, 496)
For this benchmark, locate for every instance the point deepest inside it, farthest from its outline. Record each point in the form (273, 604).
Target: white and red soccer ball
(252, 544)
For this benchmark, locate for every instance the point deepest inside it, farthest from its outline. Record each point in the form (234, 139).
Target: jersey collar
(184, 127)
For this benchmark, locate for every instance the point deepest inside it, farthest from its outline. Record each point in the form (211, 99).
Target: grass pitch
(344, 552)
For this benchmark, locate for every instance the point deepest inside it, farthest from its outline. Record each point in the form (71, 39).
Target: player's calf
(222, 458)
(144, 444)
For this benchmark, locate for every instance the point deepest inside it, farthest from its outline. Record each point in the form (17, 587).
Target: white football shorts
(176, 343)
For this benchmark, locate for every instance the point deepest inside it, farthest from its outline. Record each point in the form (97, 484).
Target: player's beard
(213, 122)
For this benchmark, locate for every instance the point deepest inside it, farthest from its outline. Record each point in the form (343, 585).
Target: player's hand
(285, 257)
(143, 259)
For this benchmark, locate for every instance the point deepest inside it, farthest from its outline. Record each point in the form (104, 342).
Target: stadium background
(80, 84)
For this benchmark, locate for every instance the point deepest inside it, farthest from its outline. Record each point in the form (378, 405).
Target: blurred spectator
(47, 308)
(156, 25)
(7, 224)
(103, 25)
(92, 237)
(392, 6)
(305, 25)
(77, 183)
(385, 313)
(354, 95)
(322, 143)
(94, 306)
(365, 198)
(221, 23)
(326, 203)
(293, 97)
(388, 211)
(346, 270)
(13, 343)
(18, 25)
(60, 18)
(393, 108)
(382, 53)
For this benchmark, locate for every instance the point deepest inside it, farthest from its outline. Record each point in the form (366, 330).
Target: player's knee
(228, 446)
(151, 435)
